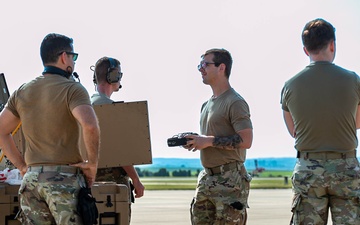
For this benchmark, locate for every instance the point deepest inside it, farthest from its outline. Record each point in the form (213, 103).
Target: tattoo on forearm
(228, 142)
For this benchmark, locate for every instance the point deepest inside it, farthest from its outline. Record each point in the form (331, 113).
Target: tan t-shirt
(50, 130)
(323, 100)
(224, 116)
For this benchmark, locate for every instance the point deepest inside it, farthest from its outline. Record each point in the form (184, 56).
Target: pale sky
(159, 44)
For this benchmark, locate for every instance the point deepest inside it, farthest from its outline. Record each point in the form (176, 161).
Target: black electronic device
(179, 139)
(4, 94)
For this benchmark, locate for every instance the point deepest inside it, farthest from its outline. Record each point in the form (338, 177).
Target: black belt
(326, 155)
(59, 169)
(224, 168)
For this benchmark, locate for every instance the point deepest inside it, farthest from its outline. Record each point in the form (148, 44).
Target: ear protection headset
(112, 75)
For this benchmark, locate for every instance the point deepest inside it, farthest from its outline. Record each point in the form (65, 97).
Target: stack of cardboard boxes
(9, 204)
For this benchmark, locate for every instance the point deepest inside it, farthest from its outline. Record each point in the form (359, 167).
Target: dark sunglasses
(203, 65)
(75, 55)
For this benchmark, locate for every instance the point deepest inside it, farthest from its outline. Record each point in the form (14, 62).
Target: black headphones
(112, 76)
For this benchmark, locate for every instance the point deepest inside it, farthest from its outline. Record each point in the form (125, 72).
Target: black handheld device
(179, 139)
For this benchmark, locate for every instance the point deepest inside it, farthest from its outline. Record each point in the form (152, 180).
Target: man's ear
(332, 46)
(62, 58)
(222, 67)
(306, 51)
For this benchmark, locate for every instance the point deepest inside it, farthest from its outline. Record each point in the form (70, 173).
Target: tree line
(163, 172)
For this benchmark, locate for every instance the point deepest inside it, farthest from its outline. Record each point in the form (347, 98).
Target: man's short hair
(317, 34)
(221, 56)
(53, 45)
(102, 67)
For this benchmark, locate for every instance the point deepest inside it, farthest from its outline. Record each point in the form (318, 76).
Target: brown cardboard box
(112, 203)
(125, 134)
(9, 204)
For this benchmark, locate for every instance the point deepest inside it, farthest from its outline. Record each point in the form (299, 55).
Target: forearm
(227, 142)
(131, 172)
(12, 153)
(92, 144)
(289, 122)
(139, 187)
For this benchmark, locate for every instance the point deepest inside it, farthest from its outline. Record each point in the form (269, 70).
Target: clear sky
(159, 44)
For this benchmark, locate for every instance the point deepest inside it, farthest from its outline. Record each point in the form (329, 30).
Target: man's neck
(321, 58)
(220, 88)
(104, 89)
(325, 55)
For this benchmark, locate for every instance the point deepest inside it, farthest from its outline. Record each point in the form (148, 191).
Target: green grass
(189, 183)
(275, 173)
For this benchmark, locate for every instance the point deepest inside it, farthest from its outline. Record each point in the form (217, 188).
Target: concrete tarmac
(267, 207)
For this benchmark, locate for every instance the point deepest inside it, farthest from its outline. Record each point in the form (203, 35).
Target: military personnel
(107, 78)
(51, 107)
(226, 132)
(321, 110)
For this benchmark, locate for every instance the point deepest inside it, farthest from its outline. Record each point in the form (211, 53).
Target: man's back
(323, 101)
(51, 131)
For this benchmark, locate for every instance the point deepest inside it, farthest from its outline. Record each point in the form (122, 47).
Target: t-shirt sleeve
(283, 103)
(358, 86)
(240, 115)
(10, 105)
(78, 96)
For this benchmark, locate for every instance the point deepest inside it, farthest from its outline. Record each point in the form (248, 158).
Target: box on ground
(9, 204)
(112, 201)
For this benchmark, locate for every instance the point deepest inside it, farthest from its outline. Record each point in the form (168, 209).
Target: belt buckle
(343, 155)
(209, 171)
(222, 170)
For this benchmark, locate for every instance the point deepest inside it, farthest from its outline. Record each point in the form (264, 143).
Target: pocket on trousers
(296, 209)
(191, 211)
(22, 187)
(302, 181)
(29, 178)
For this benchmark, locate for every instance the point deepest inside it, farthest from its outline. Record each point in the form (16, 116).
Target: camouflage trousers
(320, 185)
(49, 198)
(221, 199)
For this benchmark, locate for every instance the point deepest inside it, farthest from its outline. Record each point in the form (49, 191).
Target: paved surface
(268, 207)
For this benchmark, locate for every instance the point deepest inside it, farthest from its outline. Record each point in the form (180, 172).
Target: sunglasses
(74, 55)
(203, 65)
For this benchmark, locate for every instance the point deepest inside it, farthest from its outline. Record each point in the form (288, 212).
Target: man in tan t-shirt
(107, 78)
(226, 133)
(51, 107)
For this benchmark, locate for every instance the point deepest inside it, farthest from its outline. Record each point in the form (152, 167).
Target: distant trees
(181, 173)
(163, 172)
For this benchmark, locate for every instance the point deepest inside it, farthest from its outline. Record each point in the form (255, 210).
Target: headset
(112, 76)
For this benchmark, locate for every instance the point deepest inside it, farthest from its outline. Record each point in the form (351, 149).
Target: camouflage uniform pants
(322, 184)
(221, 199)
(49, 198)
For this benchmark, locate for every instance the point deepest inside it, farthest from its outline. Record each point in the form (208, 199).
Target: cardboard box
(124, 136)
(112, 203)
(9, 204)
